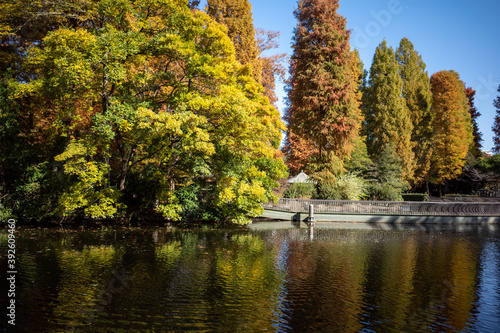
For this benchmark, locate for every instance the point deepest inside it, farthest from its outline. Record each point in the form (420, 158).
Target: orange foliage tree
(323, 111)
(452, 126)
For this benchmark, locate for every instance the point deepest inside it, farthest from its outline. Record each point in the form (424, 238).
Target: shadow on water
(375, 223)
(431, 224)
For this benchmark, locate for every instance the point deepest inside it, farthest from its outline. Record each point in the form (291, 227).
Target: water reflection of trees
(343, 280)
(84, 276)
(229, 285)
(400, 282)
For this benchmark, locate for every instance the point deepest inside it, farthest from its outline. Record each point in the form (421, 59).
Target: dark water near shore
(264, 279)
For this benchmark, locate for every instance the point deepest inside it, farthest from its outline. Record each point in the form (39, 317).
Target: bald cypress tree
(452, 137)
(387, 118)
(418, 99)
(236, 15)
(323, 110)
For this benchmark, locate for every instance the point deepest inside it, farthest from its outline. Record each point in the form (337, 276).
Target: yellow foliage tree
(151, 102)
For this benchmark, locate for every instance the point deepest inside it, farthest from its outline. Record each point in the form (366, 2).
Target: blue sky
(449, 35)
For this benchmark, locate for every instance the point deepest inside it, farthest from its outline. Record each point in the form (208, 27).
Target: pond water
(273, 277)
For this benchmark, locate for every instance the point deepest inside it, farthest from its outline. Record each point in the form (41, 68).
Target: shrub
(300, 190)
(348, 187)
(351, 187)
(384, 192)
(327, 192)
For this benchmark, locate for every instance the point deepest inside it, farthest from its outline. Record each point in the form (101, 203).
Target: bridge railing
(387, 207)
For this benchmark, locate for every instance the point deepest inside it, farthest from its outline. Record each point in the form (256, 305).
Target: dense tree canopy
(147, 112)
(323, 112)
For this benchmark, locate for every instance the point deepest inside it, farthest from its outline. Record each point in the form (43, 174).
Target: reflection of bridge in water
(385, 211)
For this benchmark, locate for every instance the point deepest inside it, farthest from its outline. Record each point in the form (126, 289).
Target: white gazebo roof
(300, 178)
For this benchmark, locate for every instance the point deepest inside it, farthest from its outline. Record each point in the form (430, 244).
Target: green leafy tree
(418, 98)
(323, 109)
(153, 96)
(452, 137)
(387, 118)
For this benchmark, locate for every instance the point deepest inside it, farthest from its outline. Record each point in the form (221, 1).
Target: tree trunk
(126, 157)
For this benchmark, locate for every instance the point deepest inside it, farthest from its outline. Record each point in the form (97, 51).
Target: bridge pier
(310, 219)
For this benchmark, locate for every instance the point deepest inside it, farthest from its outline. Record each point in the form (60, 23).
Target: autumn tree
(150, 104)
(418, 99)
(452, 137)
(496, 124)
(236, 16)
(27, 180)
(24, 23)
(474, 113)
(387, 118)
(323, 112)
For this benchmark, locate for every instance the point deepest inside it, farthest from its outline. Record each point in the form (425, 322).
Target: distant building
(300, 178)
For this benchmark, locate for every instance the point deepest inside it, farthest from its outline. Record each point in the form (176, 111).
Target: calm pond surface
(273, 277)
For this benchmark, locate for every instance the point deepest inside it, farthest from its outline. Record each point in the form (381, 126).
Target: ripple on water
(279, 280)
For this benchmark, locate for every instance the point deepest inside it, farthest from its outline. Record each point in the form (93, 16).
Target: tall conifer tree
(496, 124)
(452, 126)
(474, 113)
(236, 15)
(386, 115)
(323, 109)
(418, 98)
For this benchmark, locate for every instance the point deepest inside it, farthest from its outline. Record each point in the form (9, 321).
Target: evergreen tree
(386, 116)
(418, 97)
(323, 109)
(496, 124)
(236, 15)
(478, 136)
(452, 126)
(386, 180)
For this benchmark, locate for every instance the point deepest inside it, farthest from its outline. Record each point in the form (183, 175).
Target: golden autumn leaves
(169, 108)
